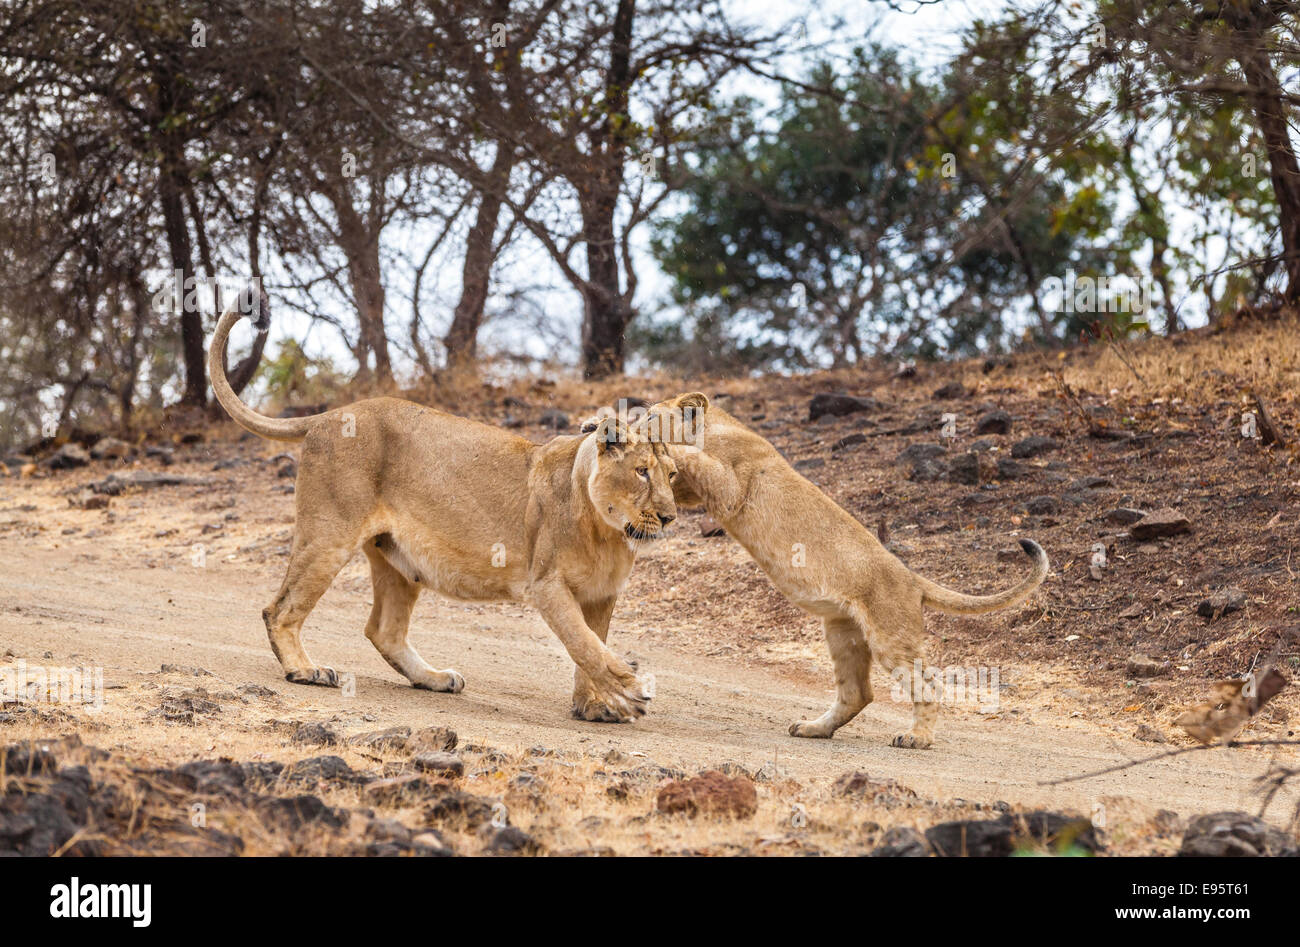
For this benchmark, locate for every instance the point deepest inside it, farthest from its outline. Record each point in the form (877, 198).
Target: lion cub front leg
(609, 681)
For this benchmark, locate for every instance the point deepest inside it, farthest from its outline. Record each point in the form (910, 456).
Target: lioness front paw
(321, 677)
(624, 703)
(444, 682)
(911, 741)
(593, 710)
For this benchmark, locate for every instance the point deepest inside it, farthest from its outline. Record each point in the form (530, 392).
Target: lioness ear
(611, 435)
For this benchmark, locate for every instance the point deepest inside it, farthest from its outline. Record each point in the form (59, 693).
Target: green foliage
(294, 377)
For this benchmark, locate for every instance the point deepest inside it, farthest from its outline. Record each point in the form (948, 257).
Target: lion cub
(473, 512)
(820, 558)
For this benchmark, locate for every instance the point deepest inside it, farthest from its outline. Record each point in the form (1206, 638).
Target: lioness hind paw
(321, 677)
(443, 682)
(810, 729)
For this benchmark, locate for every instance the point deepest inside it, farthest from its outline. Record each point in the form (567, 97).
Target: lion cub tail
(278, 429)
(957, 603)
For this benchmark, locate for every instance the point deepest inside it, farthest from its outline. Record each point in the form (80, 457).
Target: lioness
(471, 511)
(820, 557)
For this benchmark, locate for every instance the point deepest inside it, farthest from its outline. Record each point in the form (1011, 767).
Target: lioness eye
(643, 471)
(672, 476)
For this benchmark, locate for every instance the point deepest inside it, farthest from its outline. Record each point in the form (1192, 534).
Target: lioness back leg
(390, 619)
(852, 657)
(313, 564)
(898, 643)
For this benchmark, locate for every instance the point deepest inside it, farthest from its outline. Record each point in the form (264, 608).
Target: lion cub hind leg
(312, 567)
(390, 620)
(852, 657)
(897, 642)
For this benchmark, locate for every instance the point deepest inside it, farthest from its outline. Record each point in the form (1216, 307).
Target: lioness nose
(666, 518)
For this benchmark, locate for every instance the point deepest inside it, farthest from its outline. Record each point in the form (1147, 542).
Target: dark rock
(1033, 446)
(859, 785)
(184, 669)
(1139, 665)
(965, 468)
(67, 457)
(1124, 515)
(111, 448)
(26, 758)
(849, 440)
(432, 740)
(994, 422)
(222, 777)
(952, 390)
(1162, 522)
(459, 806)
(164, 455)
(839, 405)
(711, 793)
(440, 764)
(116, 484)
(1043, 506)
(922, 451)
(509, 840)
(1225, 601)
(1149, 734)
(809, 463)
(1008, 469)
(1232, 834)
(1092, 483)
(1000, 837)
(394, 738)
(554, 419)
(397, 790)
(294, 812)
(322, 769)
(902, 842)
(313, 734)
(928, 471)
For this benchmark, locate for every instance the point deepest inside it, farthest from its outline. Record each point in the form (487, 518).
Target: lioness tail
(958, 603)
(278, 429)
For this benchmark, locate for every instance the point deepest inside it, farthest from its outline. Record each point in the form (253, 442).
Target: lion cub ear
(612, 436)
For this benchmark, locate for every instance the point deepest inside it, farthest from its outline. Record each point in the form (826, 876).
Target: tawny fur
(470, 511)
(820, 557)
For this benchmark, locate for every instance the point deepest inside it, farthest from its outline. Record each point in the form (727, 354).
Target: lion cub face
(631, 482)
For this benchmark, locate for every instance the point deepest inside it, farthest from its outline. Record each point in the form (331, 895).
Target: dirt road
(129, 619)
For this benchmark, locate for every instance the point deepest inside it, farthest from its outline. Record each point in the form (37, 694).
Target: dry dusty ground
(177, 575)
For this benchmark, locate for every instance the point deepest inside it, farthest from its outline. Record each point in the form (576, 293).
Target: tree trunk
(606, 313)
(1283, 169)
(362, 250)
(171, 198)
(462, 338)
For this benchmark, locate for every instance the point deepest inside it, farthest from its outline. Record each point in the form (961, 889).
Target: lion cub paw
(445, 682)
(911, 741)
(321, 677)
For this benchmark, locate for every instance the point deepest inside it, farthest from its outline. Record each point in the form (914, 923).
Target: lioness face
(631, 484)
